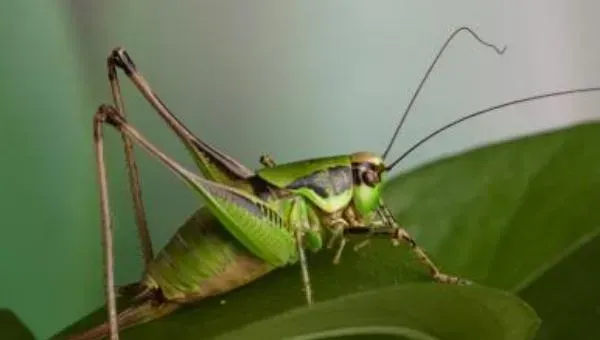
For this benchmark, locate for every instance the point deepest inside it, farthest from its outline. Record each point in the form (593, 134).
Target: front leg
(337, 227)
(398, 234)
(304, 268)
(307, 236)
(349, 219)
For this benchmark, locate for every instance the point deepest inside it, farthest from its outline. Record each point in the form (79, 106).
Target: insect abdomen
(201, 260)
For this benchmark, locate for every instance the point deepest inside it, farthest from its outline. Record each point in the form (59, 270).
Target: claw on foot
(444, 278)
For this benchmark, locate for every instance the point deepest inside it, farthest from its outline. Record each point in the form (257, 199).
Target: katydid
(253, 222)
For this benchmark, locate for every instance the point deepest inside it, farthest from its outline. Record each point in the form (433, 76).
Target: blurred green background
(296, 80)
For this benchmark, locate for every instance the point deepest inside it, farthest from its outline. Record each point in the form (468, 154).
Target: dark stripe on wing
(225, 164)
(256, 208)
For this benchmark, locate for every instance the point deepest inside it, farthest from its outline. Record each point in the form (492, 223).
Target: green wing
(253, 222)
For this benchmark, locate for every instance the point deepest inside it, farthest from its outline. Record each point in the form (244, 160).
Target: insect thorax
(328, 188)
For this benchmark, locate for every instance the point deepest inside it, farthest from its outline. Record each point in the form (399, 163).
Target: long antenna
(414, 97)
(488, 110)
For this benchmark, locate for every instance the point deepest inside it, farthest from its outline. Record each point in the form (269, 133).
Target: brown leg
(214, 164)
(338, 253)
(401, 234)
(132, 170)
(119, 58)
(111, 115)
(107, 239)
(337, 231)
(398, 234)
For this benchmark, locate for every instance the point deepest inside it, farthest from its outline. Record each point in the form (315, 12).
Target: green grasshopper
(253, 222)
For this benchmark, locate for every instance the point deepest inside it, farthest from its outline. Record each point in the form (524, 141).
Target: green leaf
(505, 216)
(11, 326)
(412, 311)
(520, 216)
(500, 214)
(566, 296)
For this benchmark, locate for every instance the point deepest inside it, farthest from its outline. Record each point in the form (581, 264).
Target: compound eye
(370, 177)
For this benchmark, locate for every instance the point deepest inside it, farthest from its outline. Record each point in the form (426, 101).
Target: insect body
(253, 222)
